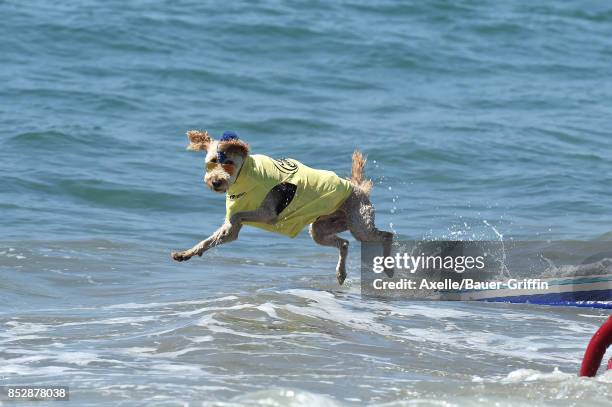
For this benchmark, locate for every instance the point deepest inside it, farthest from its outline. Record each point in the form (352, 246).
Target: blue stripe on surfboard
(591, 299)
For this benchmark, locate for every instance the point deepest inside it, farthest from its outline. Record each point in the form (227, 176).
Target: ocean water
(481, 120)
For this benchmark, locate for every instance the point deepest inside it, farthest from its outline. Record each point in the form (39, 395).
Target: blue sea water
(481, 120)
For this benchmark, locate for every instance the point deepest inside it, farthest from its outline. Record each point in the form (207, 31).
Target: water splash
(504, 268)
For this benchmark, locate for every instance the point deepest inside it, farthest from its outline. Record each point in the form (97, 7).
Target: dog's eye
(213, 160)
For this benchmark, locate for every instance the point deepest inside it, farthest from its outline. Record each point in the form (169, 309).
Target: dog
(284, 196)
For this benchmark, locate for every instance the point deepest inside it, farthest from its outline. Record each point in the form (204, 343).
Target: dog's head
(224, 157)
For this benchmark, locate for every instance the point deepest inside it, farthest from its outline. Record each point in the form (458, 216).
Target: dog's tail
(358, 173)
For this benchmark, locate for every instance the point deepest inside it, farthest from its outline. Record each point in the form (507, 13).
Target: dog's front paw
(181, 256)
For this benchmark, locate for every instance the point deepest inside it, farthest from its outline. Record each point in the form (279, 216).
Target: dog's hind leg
(360, 217)
(323, 232)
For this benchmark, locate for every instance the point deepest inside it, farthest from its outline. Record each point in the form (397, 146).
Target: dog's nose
(216, 184)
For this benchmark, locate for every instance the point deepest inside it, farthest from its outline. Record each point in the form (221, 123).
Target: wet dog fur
(356, 214)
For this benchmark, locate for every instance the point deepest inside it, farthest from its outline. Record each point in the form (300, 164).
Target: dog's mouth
(219, 186)
(217, 180)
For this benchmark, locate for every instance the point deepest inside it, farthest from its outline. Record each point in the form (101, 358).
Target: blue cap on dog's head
(229, 135)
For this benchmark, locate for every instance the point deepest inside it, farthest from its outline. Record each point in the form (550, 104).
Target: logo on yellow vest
(285, 165)
(236, 196)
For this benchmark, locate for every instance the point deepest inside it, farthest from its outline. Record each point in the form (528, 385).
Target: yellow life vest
(318, 192)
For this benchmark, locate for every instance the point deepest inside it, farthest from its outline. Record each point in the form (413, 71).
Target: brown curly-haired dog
(283, 196)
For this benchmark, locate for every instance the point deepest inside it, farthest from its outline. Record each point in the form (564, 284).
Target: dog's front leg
(226, 233)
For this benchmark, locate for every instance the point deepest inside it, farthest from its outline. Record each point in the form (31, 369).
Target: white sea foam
(139, 350)
(211, 309)
(178, 368)
(178, 352)
(113, 321)
(280, 397)
(28, 357)
(369, 316)
(19, 337)
(531, 375)
(78, 358)
(201, 339)
(528, 348)
(133, 305)
(439, 311)
(269, 309)
(325, 306)
(18, 369)
(210, 323)
(21, 328)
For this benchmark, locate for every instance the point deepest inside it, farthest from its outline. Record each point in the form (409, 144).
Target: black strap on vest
(285, 192)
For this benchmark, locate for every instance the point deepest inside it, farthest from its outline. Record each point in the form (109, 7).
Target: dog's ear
(234, 146)
(198, 140)
(231, 143)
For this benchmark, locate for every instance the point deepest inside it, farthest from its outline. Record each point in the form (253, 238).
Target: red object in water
(597, 349)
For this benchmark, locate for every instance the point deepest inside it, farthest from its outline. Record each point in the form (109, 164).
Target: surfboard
(578, 291)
